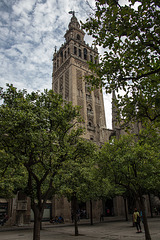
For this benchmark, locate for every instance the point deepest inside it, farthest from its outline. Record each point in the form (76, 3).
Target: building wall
(70, 66)
(61, 207)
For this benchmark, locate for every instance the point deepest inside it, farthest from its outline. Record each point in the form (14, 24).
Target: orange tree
(130, 37)
(36, 133)
(79, 180)
(133, 164)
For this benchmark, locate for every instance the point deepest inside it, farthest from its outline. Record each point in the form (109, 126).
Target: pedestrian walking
(137, 220)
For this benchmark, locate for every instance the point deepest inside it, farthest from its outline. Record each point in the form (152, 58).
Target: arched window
(80, 55)
(92, 138)
(85, 53)
(75, 50)
(90, 124)
(78, 37)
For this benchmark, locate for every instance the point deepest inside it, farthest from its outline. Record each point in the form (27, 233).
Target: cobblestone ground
(119, 230)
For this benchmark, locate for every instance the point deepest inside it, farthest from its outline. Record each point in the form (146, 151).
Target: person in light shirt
(137, 220)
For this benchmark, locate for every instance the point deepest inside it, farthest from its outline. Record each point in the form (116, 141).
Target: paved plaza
(109, 230)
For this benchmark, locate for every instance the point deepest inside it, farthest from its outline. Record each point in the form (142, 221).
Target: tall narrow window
(61, 54)
(85, 53)
(78, 37)
(80, 53)
(75, 50)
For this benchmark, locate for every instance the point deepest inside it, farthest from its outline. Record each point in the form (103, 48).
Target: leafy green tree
(130, 36)
(77, 178)
(36, 133)
(10, 178)
(132, 164)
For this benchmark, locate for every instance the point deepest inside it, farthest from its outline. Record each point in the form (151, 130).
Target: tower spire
(74, 31)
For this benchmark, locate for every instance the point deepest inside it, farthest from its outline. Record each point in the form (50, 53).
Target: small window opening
(75, 50)
(85, 53)
(78, 37)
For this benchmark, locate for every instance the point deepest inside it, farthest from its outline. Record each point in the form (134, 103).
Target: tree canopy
(75, 176)
(36, 133)
(11, 178)
(130, 36)
(132, 164)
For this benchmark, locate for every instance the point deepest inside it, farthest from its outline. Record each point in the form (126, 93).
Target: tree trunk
(125, 207)
(37, 224)
(41, 225)
(150, 204)
(75, 215)
(145, 222)
(91, 215)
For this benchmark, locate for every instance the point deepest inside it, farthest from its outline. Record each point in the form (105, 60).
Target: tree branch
(141, 76)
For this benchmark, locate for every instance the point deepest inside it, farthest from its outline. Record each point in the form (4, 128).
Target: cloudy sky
(29, 32)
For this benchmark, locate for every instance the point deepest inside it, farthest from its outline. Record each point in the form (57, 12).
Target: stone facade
(69, 70)
(70, 66)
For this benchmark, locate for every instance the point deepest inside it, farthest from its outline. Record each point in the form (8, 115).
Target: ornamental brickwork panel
(61, 86)
(98, 111)
(79, 79)
(80, 102)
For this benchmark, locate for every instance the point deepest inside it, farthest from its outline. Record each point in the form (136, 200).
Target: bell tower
(70, 66)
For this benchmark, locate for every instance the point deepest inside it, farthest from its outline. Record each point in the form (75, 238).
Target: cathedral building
(70, 66)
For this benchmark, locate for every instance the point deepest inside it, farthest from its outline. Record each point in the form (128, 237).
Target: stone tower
(70, 66)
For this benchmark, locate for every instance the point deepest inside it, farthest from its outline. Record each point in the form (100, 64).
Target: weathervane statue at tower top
(72, 12)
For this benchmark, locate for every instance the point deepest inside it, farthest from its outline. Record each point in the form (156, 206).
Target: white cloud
(29, 32)
(22, 7)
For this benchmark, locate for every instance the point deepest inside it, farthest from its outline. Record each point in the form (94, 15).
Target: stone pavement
(110, 229)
